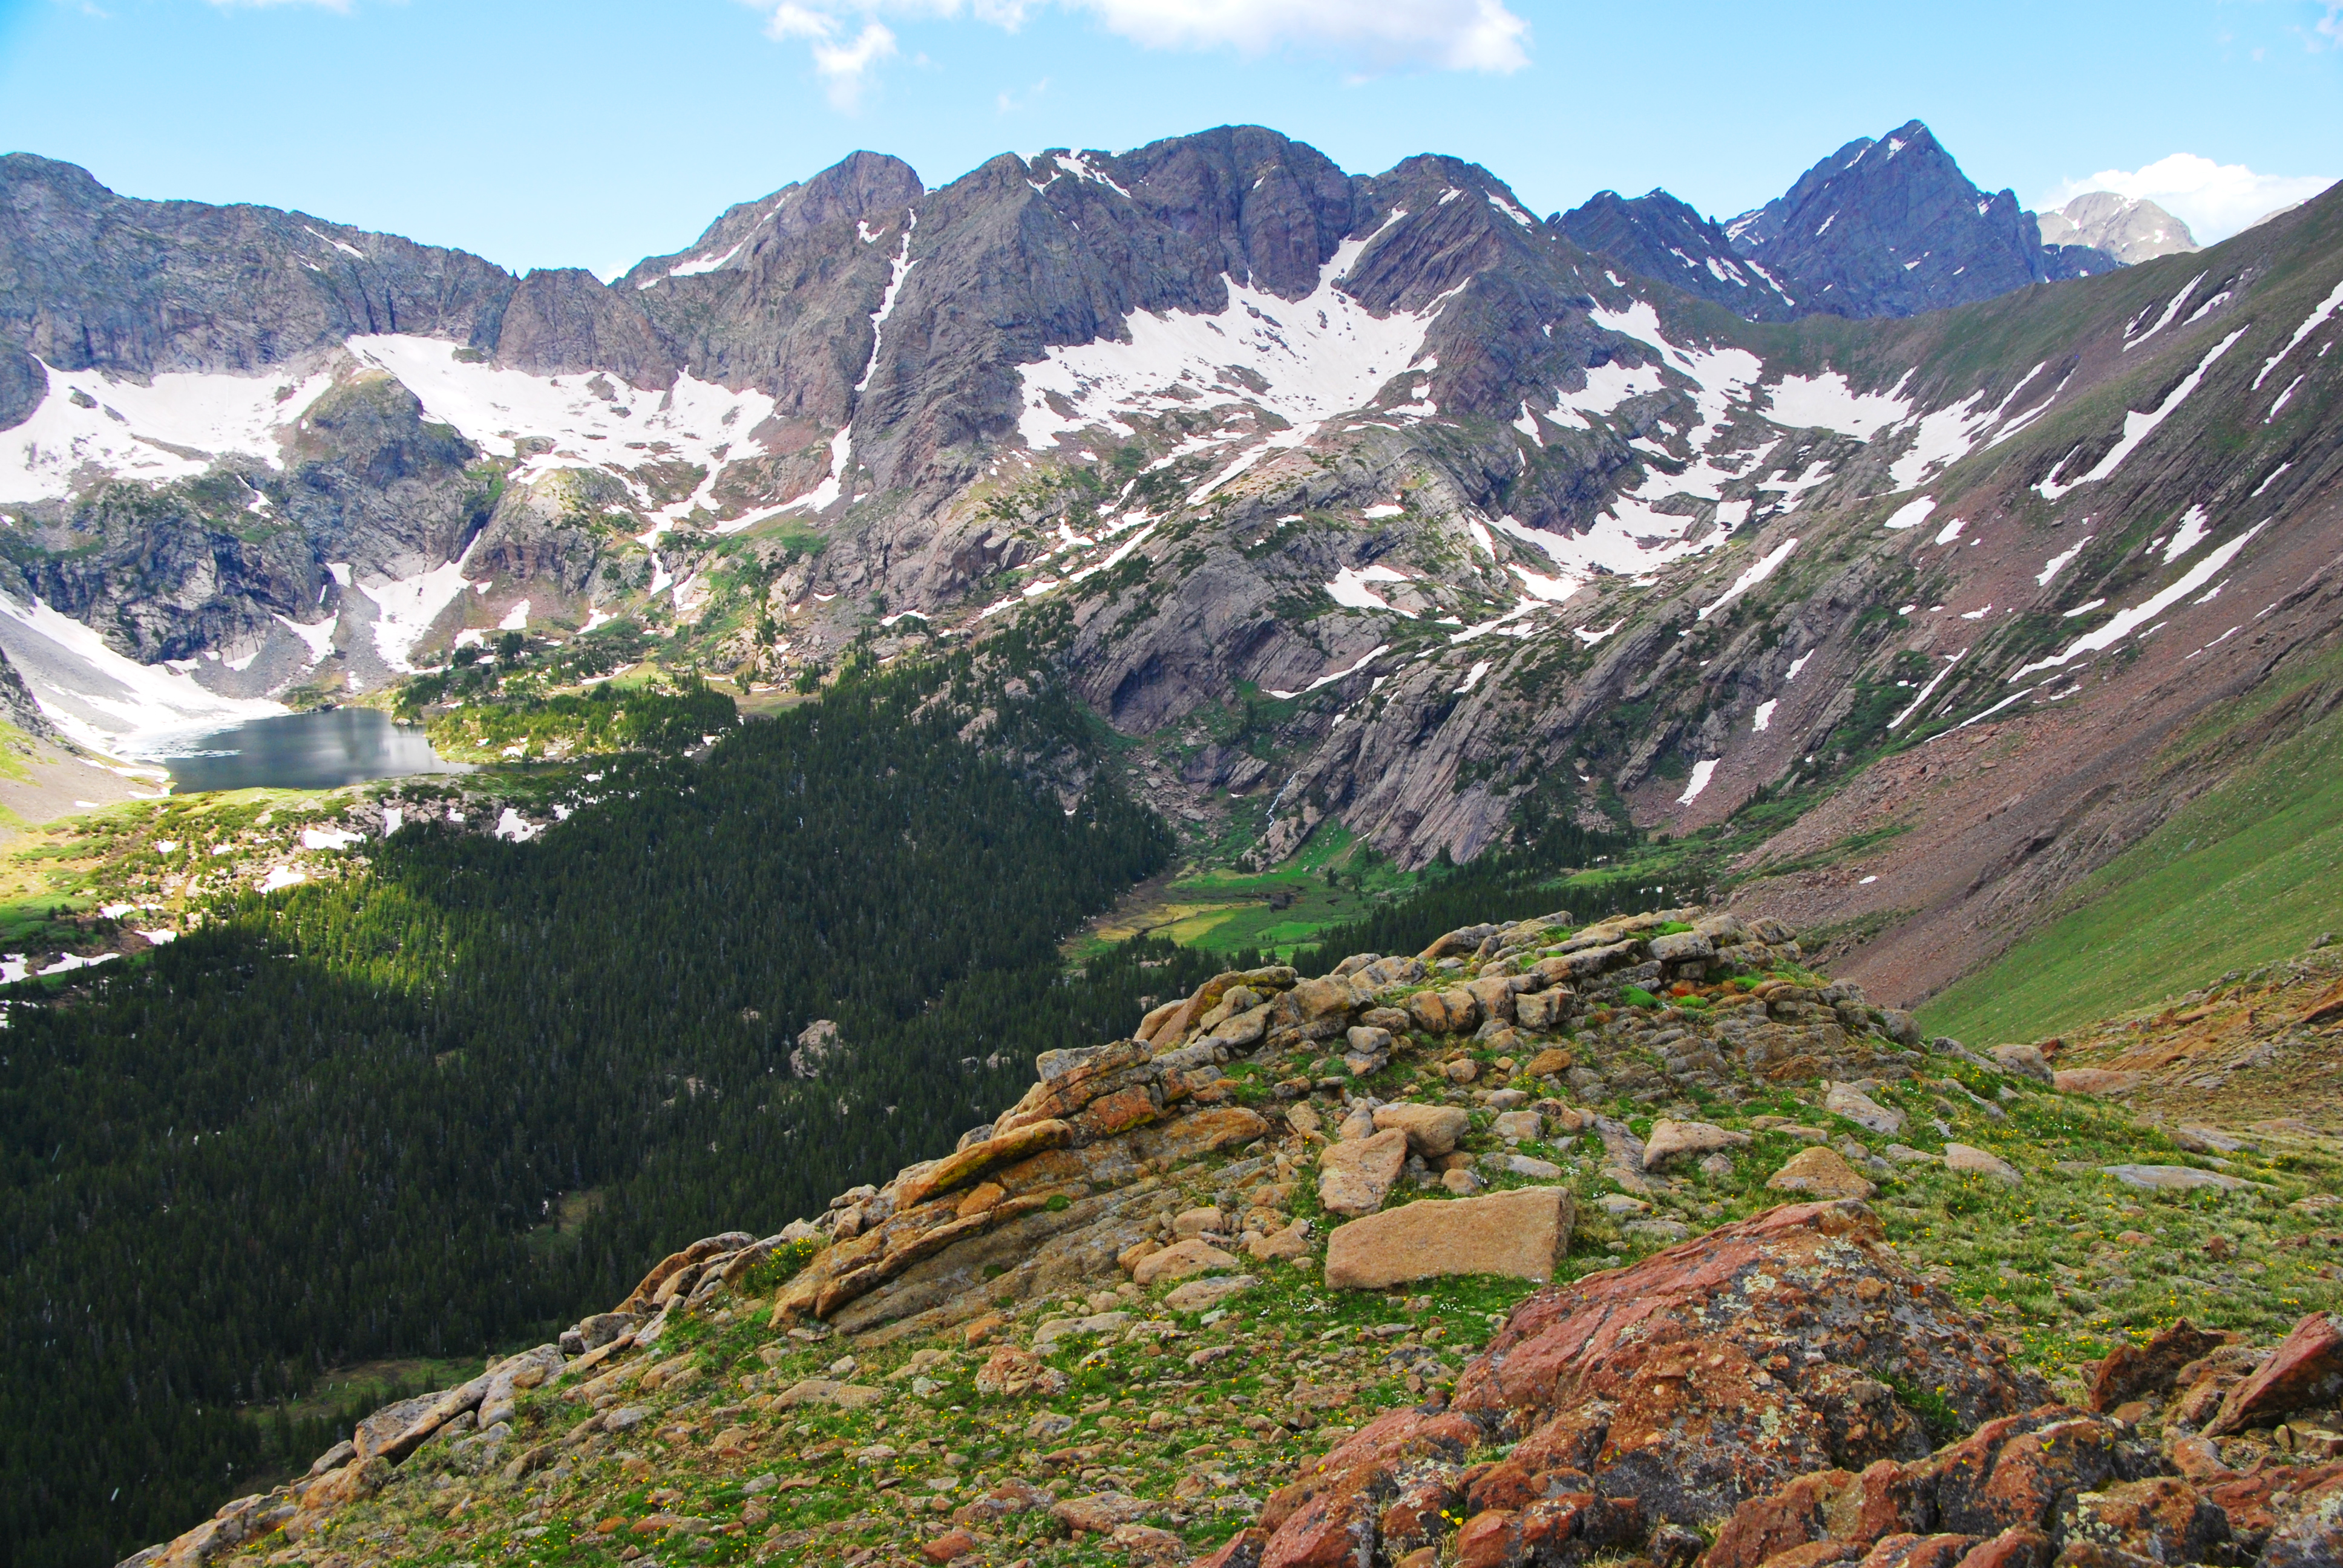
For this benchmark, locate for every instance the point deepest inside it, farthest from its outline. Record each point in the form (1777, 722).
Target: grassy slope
(2245, 874)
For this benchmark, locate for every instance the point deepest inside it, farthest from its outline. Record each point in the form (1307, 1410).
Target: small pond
(318, 750)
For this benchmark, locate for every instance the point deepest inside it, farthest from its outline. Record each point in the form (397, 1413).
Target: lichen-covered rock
(1668, 1393)
(2306, 1371)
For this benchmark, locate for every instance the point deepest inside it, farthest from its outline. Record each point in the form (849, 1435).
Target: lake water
(318, 750)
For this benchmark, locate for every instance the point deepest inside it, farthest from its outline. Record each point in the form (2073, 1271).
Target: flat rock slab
(1673, 1140)
(2097, 1080)
(2173, 1177)
(1180, 1260)
(1973, 1161)
(1845, 1100)
(1519, 1234)
(1202, 1295)
(827, 1390)
(1355, 1177)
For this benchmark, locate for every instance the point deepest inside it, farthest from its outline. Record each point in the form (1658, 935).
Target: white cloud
(845, 63)
(1011, 103)
(2215, 200)
(1447, 35)
(1377, 34)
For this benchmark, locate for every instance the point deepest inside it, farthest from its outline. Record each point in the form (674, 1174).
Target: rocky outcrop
(23, 385)
(1123, 1280)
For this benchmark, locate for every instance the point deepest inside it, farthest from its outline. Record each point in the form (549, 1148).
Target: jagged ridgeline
(348, 1123)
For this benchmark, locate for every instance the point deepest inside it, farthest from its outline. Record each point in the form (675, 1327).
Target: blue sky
(592, 132)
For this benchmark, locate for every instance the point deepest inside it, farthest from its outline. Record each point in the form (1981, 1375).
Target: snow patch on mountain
(169, 429)
(103, 698)
(2319, 314)
(2138, 427)
(1319, 355)
(1827, 402)
(496, 407)
(1353, 586)
(2126, 621)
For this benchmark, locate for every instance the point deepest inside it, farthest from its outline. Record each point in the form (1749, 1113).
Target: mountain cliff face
(91, 279)
(1360, 499)
(1893, 227)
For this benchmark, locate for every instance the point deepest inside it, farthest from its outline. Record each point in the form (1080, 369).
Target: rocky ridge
(1190, 1255)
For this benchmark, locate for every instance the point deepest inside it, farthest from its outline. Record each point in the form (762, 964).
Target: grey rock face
(91, 279)
(1272, 208)
(17, 706)
(372, 483)
(23, 385)
(564, 322)
(2130, 231)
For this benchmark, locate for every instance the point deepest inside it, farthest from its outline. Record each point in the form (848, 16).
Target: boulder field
(1636, 1242)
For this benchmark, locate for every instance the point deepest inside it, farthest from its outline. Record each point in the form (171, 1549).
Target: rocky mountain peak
(2131, 230)
(1659, 236)
(1273, 208)
(1894, 227)
(862, 186)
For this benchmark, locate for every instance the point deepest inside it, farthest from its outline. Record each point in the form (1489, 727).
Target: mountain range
(1367, 500)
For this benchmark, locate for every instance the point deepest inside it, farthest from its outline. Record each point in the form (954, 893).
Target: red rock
(2132, 1371)
(2304, 1372)
(1919, 1551)
(1330, 1515)
(1490, 1539)
(1763, 1527)
(1661, 1380)
(2250, 1502)
(2013, 1480)
(1418, 1516)
(1241, 1550)
(949, 1545)
(2020, 1547)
